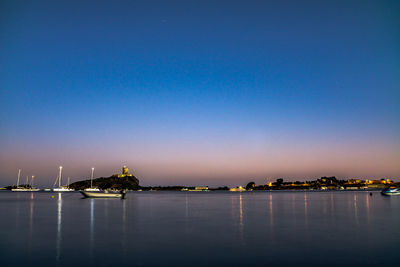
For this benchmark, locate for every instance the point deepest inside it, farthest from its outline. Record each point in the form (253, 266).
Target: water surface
(200, 229)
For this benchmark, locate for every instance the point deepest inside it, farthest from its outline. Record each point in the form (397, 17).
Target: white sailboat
(24, 189)
(33, 188)
(61, 188)
(18, 188)
(103, 194)
(92, 189)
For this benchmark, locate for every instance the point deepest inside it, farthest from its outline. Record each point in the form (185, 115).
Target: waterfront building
(237, 189)
(199, 189)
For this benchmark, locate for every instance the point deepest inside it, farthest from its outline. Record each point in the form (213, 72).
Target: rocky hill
(112, 182)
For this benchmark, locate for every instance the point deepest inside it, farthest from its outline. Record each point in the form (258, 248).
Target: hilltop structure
(125, 172)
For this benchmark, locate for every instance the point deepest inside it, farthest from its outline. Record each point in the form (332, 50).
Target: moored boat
(26, 187)
(103, 194)
(21, 189)
(92, 189)
(61, 188)
(391, 192)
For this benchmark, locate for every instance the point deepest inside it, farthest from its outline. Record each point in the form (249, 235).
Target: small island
(124, 180)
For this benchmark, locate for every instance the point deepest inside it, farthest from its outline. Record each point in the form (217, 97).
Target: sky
(200, 92)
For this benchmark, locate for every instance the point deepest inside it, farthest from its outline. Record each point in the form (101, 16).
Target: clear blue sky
(200, 92)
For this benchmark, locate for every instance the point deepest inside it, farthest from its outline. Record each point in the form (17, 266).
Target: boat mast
(68, 183)
(27, 181)
(33, 176)
(91, 178)
(19, 175)
(59, 176)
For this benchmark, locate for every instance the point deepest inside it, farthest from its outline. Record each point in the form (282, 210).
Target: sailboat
(18, 188)
(92, 189)
(61, 188)
(32, 189)
(26, 188)
(87, 194)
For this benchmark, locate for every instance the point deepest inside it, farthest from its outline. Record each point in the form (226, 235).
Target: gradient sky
(200, 92)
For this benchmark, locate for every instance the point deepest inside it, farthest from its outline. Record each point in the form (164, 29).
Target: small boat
(391, 192)
(64, 188)
(26, 187)
(92, 189)
(61, 188)
(103, 194)
(21, 189)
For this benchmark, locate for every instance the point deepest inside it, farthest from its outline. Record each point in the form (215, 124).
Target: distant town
(323, 183)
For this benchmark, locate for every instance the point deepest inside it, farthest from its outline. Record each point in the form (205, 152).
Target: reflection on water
(186, 206)
(271, 211)
(305, 210)
(355, 209)
(17, 211)
(91, 244)
(124, 228)
(106, 220)
(293, 206)
(367, 196)
(241, 209)
(170, 228)
(124, 216)
(237, 213)
(59, 225)
(241, 225)
(31, 205)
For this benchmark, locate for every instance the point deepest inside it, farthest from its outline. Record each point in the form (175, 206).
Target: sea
(259, 228)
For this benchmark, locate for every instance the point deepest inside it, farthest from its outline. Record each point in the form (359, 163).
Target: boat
(87, 194)
(61, 188)
(18, 188)
(27, 187)
(92, 189)
(391, 192)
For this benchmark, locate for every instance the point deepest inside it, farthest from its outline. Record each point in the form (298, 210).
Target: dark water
(200, 229)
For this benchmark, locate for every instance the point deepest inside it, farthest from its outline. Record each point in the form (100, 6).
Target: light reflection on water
(31, 211)
(305, 210)
(241, 225)
(124, 228)
(59, 225)
(163, 228)
(367, 196)
(355, 209)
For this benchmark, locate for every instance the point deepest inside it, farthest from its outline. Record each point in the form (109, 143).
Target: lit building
(125, 172)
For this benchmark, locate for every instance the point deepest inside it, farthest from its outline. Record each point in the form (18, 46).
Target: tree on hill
(250, 185)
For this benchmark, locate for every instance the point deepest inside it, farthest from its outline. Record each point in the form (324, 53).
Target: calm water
(200, 229)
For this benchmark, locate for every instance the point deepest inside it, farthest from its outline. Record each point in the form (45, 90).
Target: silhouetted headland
(125, 180)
